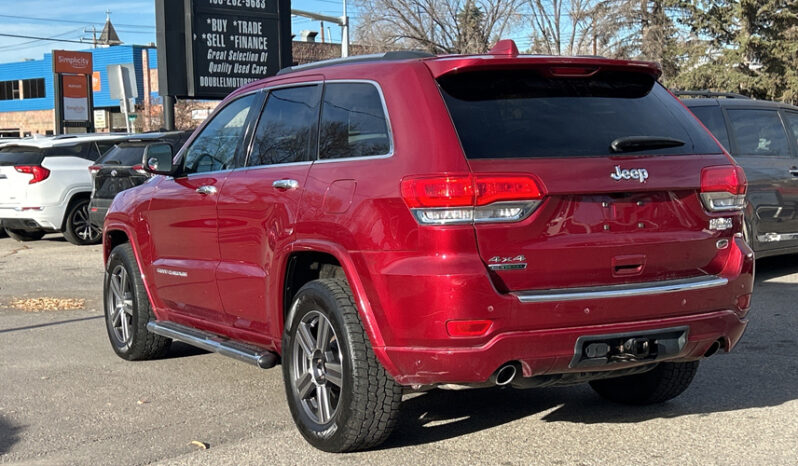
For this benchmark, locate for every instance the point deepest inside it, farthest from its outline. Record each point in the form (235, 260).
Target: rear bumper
(98, 209)
(551, 351)
(47, 218)
(539, 329)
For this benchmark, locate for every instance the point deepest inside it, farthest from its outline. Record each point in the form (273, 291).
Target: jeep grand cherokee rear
(406, 221)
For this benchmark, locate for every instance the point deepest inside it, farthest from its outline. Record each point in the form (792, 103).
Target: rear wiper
(635, 143)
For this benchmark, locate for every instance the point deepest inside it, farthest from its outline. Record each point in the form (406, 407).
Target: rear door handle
(205, 190)
(286, 185)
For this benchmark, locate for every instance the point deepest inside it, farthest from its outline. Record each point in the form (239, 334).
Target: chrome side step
(621, 291)
(776, 237)
(208, 341)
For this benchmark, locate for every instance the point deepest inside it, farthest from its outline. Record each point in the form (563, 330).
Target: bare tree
(563, 27)
(437, 26)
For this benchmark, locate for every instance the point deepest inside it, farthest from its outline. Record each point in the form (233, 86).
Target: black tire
(367, 402)
(135, 343)
(78, 228)
(25, 235)
(666, 381)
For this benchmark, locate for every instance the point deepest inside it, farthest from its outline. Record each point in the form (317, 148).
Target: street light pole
(344, 33)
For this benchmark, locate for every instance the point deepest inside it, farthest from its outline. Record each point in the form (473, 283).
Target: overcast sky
(134, 21)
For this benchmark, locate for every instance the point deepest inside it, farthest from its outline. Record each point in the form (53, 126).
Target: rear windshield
(522, 113)
(123, 154)
(14, 155)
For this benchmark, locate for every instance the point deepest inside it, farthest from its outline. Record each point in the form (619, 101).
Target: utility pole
(342, 21)
(344, 33)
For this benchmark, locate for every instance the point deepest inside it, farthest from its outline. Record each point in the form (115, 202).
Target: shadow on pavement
(741, 380)
(49, 324)
(9, 435)
(179, 349)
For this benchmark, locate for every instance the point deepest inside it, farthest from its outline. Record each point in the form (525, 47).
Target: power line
(52, 39)
(34, 43)
(52, 20)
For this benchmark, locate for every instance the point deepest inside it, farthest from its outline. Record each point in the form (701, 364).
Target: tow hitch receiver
(601, 350)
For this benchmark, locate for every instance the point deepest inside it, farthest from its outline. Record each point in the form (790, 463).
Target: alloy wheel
(82, 226)
(120, 304)
(317, 369)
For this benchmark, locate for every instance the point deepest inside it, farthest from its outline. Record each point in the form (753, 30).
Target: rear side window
(15, 155)
(758, 132)
(353, 122)
(712, 118)
(522, 113)
(124, 155)
(287, 127)
(86, 150)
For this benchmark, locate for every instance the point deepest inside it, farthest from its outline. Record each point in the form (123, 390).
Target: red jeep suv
(402, 221)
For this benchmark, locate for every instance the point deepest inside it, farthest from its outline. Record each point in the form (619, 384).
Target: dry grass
(47, 304)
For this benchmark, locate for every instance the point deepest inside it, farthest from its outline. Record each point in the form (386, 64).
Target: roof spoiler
(505, 54)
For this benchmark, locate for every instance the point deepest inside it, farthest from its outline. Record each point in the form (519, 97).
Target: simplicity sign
(73, 98)
(227, 44)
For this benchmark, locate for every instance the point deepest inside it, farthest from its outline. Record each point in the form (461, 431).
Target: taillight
(39, 173)
(459, 199)
(723, 188)
(93, 169)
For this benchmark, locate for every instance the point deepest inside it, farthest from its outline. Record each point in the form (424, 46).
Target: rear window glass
(712, 118)
(758, 132)
(14, 155)
(124, 155)
(521, 113)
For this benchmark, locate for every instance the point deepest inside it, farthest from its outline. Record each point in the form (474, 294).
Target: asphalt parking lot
(66, 398)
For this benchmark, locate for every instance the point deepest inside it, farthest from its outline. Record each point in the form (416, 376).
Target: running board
(208, 341)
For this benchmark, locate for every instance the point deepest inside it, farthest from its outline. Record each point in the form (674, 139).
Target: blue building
(27, 90)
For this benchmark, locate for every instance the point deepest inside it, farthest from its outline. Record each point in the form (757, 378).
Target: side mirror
(157, 159)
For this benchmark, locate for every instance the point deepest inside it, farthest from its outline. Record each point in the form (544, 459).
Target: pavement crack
(14, 251)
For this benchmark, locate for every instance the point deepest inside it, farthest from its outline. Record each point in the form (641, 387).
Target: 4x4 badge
(640, 174)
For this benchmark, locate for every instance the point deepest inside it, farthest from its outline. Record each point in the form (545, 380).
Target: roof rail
(708, 93)
(387, 56)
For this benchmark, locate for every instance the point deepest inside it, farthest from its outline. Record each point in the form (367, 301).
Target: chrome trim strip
(622, 291)
(211, 342)
(776, 237)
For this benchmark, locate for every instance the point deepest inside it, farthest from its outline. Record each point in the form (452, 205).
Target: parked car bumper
(98, 209)
(46, 218)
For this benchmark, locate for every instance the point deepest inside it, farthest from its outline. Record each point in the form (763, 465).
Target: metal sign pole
(123, 101)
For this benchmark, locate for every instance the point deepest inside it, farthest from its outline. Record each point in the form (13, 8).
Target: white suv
(45, 186)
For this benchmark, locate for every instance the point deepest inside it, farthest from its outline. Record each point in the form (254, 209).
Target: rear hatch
(119, 169)
(13, 183)
(617, 158)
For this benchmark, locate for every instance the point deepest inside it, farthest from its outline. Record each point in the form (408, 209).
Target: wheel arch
(329, 252)
(73, 198)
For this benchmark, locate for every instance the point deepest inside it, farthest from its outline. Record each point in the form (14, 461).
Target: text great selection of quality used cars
(405, 221)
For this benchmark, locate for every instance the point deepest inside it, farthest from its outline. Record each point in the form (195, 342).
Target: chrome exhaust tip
(713, 349)
(504, 375)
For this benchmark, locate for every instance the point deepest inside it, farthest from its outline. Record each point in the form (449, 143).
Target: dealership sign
(72, 62)
(76, 98)
(209, 48)
(73, 72)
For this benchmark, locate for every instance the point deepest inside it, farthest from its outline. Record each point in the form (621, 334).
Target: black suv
(763, 137)
(120, 169)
